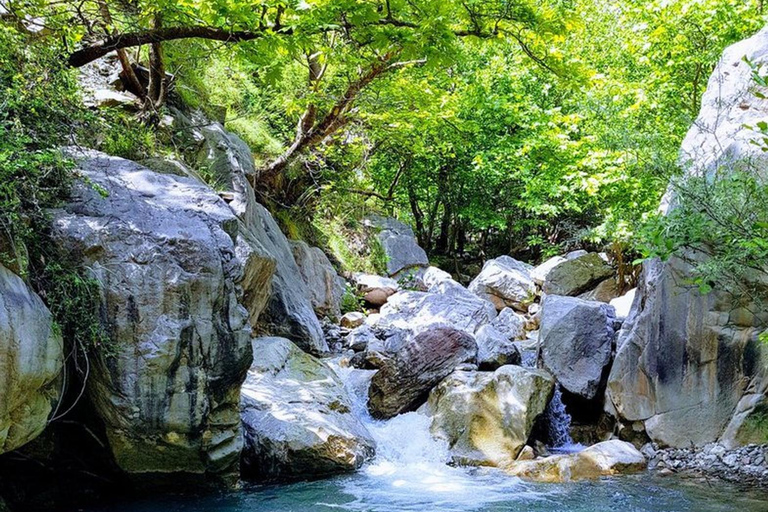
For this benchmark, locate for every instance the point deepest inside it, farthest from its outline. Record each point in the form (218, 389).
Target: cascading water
(411, 468)
(556, 418)
(558, 423)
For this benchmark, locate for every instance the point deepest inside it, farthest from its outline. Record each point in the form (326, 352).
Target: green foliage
(125, 136)
(351, 302)
(38, 107)
(723, 216)
(39, 112)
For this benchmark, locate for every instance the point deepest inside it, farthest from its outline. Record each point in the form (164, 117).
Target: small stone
(352, 319)
(527, 453)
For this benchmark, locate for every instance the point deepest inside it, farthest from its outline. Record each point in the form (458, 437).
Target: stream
(410, 473)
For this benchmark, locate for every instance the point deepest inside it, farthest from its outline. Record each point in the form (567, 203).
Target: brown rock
(403, 382)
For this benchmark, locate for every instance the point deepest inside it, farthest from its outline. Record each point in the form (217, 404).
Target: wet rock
(577, 275)
(602, 459)
(404, 381)
(487, 417)
(297, 417)
(31, 360)
(505, 282)
(576, 340)
(162, 248)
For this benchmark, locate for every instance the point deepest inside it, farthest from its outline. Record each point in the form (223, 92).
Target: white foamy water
(411, 469)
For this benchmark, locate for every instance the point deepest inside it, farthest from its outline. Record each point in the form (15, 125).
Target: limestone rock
(352, 319)
(576, 340)
(420, 311)
(539, 274)
(162, 248)
(403, 382)
(689, 366)
(324, 285)
(278, 301)
(606, 291)
(297, 417)
(361, 337)
(495, 349)
(684, 360)
(577, 275)
(399, 244)
(602, 459)
(510, 324)
(31, 362)
(623, 304)
(505, 282)
(434, 276)
(487, 417)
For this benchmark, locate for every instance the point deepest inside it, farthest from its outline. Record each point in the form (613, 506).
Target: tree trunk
(158, 86)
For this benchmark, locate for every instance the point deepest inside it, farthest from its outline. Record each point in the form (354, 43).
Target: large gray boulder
(505, 282)
(163, 250)
(689, 367)
(297, 417)
(487, 417)
(31, 363)
(577, 275)
(278, 301)
(448, 303)
(404, 381)
(575, 342)
(400, 247)
(324, 285)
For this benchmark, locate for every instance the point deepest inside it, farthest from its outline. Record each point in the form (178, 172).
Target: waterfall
(558, 421)
(411, 467)
(556, 418)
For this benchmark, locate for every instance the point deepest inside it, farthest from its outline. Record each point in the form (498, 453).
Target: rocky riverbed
(746, 466)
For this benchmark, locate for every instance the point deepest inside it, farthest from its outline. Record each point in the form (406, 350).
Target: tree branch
(115, 42)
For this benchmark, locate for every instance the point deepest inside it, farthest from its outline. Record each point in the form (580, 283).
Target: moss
(755, 427)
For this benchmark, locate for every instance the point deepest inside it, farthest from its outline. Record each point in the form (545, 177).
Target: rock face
(577, 275)
(505, 282)
(602, 459)
(451, 305)
(487, 417)
(689, 366)
(606, 291)
(163, 249)
(576, 340)
(399, 244)
(434, 276)
(325, 286)
(404, 381)
(297, 417)
(278, 301)
(540, 273)
(494, 349)
(31, 361)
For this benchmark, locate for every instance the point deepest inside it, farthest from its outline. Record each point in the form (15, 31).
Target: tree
(363, 40)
